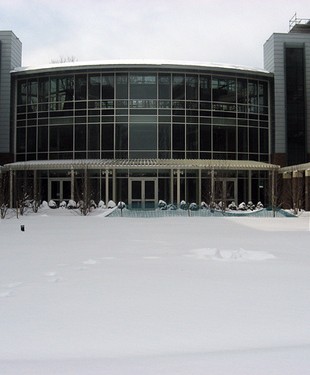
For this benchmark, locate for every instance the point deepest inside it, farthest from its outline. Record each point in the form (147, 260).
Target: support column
(297, 190)
(72, 184)
(114, 185)
(307, 182)
(85, 186)
(212, 185)
(106, 187)
(171, 186)
(35, 192)
(199, 187)
(11, 188)
(178, 186)
(249, 186)
(273, 192)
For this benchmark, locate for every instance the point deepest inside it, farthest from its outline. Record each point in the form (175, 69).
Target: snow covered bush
(121, 205)
(92, 204)
(203, 205)
(62, 204)
(250, 206)
(52, 204)
(111, 204)
(213, 206)
(259, 205)
(242, 206)
(183, 205)
(82, 207)
(171, 207)
(194, 207)
(44, 204)
(101, 204)
(221, 205)
(162, 205)
(35, 205)
(71, 204)
(232, 206)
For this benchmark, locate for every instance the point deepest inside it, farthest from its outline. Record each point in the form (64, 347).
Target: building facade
(144, 131)
(287, 56)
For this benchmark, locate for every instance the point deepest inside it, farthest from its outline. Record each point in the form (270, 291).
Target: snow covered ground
(124, 296)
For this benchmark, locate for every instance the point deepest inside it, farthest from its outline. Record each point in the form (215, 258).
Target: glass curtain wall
(145, 114)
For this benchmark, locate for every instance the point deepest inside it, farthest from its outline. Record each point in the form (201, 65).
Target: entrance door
(226, 191)
(59, 190)
(142, 193)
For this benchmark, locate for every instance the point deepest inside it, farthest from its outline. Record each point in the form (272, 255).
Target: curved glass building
(142, 131)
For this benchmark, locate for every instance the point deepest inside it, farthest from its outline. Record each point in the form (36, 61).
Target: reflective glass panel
(253, 93)
(107, 86)
(80, 87)
(242, 93)
(164, 86)
(191, 87)
(143, 136)
(93, 87)
(224, 89)
(164, 136)
(122, 88)
(178, 87)
(61, 138)
(31, 139)
(121, 137)
(107, 134)
(22, 92)
(178, 137)
(205, 88)
(143, 86)
(93, 137)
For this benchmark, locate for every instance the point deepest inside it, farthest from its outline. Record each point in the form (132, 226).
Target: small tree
(84, 194)
(64, 59)
(4, 194)
(3, 210)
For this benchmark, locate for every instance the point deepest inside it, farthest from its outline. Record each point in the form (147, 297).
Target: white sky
(227, 31)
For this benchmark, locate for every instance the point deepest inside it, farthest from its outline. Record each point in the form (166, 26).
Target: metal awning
(141, 164)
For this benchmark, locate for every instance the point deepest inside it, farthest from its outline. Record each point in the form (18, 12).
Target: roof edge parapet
(136, 63)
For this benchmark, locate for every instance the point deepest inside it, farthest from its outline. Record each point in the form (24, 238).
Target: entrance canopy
(140, 164)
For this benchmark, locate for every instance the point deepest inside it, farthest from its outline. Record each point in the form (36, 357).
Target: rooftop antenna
(297, 21)
(293, 21)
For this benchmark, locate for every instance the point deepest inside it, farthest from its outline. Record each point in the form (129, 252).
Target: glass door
(142, 193)
(226, 191)
(59, 190)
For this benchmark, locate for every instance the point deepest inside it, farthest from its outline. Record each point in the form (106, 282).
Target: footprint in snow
(6, 294)
(13, 285)
(90, 261)
(50, 274)
(52, 277)
(55, 280)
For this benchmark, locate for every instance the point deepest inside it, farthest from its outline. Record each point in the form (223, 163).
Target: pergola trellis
(176, 166)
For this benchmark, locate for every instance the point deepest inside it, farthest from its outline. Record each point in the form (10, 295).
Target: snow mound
(230, 255)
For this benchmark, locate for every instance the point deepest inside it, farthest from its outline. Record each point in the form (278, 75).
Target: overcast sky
(227, 31)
